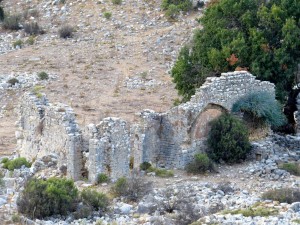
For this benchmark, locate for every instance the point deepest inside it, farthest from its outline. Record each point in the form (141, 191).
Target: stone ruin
(115, 146)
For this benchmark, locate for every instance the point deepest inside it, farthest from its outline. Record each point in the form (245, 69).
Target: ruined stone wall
(182, 131)
(46, 128)
(298, 115)
(109, 149)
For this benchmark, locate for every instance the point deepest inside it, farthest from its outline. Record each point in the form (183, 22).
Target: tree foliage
(228, 139)
(262, 36)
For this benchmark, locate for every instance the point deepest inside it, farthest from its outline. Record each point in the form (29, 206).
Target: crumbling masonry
(167, 139)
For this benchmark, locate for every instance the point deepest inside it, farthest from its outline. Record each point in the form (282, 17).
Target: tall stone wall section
(181, 132)
(298, 115)
(46, 128)
(109, 149)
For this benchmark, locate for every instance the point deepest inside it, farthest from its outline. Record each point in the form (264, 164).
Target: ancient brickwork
(49, 128)
(109, 149)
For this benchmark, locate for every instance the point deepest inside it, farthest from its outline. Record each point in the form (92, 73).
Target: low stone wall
(46, 128)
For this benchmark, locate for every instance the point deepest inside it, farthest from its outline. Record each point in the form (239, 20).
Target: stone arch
(200, 126)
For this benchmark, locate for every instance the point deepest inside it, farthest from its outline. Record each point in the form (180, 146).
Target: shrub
(43, 76)
(161, 172)
(172, 12)
(107, 15)
(116, 2)
(18, 43)
(32, 28)
(201, 164)
(2, 15)
(292, 168)
(131, 189)
(102, 178)
(13, 81)
(66, 31)
(42, 198)
(228, 139)
(261, 106)
(15, 218)
(30, 40)
(181, 5)
(4, 160)
(145, 166)
(12, 22)
(83, 211)
(98, 201)
(288, 195)
(254, 211)
(16, 163)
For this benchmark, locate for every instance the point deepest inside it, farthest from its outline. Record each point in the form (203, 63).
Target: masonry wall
(182, 131)
(109, 149)
(46, 128)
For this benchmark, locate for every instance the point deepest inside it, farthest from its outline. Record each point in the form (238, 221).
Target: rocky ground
(185, 198)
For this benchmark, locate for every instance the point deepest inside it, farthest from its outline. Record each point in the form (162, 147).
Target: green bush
(254, 211)
(228, 139)
(292, 168)
(201, 164)
(32, 28)
(98, 201)
(145, 166)
(43, 198)
(107, 15)
(30, 40)
(66, 31)
(116, 2)
(4, 160)
(260, 36)
(102, 178)
(132, 188)
(161, 172)
(261, 106)
(12, 22)
(172, 12)
(181, 5)
(43, 76)
(16, 163)
(18, 43)
(288, 195)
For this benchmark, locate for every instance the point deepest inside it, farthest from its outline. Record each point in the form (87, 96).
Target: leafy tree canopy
(262, 36)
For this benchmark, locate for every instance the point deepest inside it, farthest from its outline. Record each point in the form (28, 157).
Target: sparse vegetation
(41, 198)
(43, 76)
(97, 201)
(261, 107)
(66, 31)
(102, 178)
(172, 12)
(181, 5)
(132, 188)
(201, 164)
(15, 218)
(12, 22)
(18, 43)
(32, 28)
(256, 210)
(292, 168)
(288, 195)
(116, 2)
(30, 40)
(16, 163)
(107, 15)
(228, 139)
(13, 81)
(145, 166)
(160, 172)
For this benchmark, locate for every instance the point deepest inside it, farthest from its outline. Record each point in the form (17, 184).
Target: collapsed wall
(45, 129)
